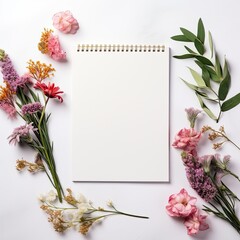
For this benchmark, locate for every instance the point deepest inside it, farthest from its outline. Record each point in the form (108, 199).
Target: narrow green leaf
(199, 46)
(206, 76)
(192, 86)
(210, 43)
(184, 56)
(224, 84)
(197, 77)
(218, 67)
(204, 60)
(190, 50)
(201, 31)
(231, 103)
(213, 74)
(189, 35)
(180, 38)
(205, 108)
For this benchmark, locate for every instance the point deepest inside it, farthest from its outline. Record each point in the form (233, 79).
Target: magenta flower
(31, 108)
(186, 139)
(181, 204)
(65, 22)
(200, 182)
(21, 132)
(195, 222)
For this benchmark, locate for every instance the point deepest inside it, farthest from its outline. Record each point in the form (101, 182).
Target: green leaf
(180, 38)
(190, 50)
(201, 31)
(189, 35)
(184, 56)
(197, 77)
(218, 67)
(231, 103)
(206, 76)
(213, 74)
(224, 84)
(204, 60)
(193, 87)
(210, 43)
(199, 46)
(205, 108)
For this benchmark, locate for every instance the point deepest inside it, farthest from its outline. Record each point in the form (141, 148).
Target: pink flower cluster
(65, 22)
(187, 139)
(55, 50)
(183, 205)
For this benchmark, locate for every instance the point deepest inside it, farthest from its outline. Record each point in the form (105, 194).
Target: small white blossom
(51, 196)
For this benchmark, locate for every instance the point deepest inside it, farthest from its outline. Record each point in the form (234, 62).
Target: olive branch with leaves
(213, 84)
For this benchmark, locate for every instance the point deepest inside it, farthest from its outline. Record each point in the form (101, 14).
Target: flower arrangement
(49, 44)
(206, 173)
(76, 212)
(182, 205)
(27, 97)
(20, 97)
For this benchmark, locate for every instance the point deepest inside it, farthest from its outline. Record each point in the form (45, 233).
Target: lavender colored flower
(31, 108)
(9, 73)
(19, 132)
(201, 183)
(192, 114)
(23, 80)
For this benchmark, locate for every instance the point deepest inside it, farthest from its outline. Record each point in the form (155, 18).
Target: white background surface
(124, 22)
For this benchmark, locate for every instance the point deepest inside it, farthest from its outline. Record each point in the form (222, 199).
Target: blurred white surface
(124, 22)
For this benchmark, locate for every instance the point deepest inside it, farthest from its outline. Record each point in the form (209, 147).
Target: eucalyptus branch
(212, 71)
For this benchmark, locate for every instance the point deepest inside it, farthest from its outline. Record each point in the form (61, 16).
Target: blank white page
(120, 115)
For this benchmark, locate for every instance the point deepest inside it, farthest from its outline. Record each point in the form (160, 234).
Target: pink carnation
(54, 48)
(195, 223)
(181, 204)
(187, 139)
(65, 22)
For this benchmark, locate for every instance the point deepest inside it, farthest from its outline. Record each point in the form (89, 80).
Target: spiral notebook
(120, 113)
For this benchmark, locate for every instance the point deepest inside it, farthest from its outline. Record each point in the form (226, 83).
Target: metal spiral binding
(120, 48)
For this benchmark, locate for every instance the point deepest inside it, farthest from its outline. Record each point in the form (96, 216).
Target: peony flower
(181, 204)
(50, 90)
(187, 139)
(65, 22)
(195, 222)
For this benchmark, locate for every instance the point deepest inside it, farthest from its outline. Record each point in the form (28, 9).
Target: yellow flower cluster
(40, 71)
(6, 92)
(43, 44)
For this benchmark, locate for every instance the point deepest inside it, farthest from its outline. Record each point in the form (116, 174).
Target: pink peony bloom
(65, 22)
(181, 204)
(187, 139)
(195, 223)
(54, 48)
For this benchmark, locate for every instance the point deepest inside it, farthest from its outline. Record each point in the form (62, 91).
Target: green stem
(49, 158)
(121, 213)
